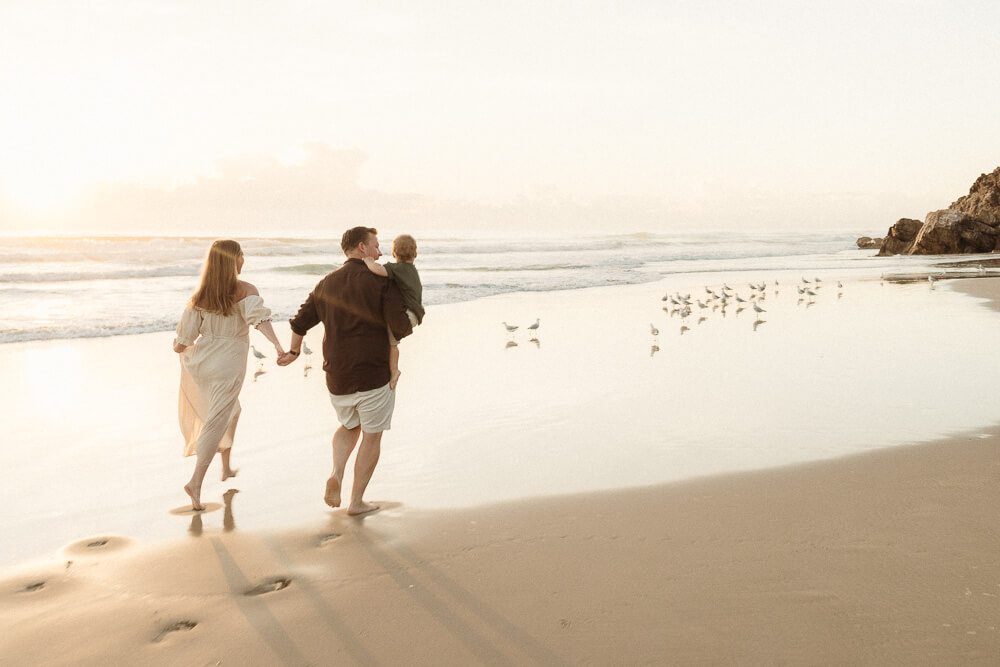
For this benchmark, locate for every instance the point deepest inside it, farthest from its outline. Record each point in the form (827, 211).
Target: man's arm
(304, 320)
(394, 311)
(307, 317)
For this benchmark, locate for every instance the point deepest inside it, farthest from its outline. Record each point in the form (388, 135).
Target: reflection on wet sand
(228, 522)
(197, 526)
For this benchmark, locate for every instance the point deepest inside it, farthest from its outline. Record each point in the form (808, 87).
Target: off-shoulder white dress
(212, 373)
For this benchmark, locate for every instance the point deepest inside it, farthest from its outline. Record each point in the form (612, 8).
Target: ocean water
(73, 287)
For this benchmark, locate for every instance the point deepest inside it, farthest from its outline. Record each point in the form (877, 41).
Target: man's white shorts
(372, 409)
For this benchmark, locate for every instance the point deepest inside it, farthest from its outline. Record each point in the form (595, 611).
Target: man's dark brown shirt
(355, 306)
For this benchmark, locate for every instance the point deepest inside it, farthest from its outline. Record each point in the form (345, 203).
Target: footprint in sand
(269, 586)
(96, 545)
(326, 539)
(32, 587)
(174, 627)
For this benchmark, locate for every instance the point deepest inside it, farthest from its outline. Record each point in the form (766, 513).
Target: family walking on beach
(365, 309)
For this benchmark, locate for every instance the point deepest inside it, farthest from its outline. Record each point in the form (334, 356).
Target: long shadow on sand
(403, 560)
(254, 608)
(338, 626)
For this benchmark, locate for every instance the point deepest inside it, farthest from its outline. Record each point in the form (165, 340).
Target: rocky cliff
(971, 224)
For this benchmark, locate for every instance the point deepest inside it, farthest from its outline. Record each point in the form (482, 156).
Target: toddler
(402, 271)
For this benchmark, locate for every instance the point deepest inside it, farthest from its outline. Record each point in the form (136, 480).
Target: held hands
(287, 357)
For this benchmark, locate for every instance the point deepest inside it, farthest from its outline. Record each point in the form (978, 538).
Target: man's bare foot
(332, 495)
(361, 507)
(394, 379)
(195, 499)
(226, 474)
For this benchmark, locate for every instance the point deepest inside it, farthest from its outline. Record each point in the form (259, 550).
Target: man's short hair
(355, 235)
(405, 248)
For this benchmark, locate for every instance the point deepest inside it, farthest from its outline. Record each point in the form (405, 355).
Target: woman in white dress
(213, 339)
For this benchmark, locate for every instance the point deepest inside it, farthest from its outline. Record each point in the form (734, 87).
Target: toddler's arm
(376, 268)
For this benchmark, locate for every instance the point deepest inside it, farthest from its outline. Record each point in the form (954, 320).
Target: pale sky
(259, 117)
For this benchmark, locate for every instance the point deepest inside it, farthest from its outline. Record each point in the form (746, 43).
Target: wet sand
(883, 557)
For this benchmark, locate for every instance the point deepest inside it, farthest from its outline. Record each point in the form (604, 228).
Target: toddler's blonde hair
(404, 247)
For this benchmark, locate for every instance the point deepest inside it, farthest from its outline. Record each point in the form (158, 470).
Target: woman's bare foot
(394, 379)
(195, 498)
(226, 474)
(332, 495)
(361, 507)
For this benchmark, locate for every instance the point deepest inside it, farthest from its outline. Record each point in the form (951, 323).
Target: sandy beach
(580, 500)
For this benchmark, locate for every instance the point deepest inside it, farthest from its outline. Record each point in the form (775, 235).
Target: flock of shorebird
(532, 333)
(720, 299)
(717, 300)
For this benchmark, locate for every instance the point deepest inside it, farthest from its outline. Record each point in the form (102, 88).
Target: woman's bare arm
(268, 331)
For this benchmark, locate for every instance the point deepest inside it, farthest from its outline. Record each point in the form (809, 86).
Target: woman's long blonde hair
(217, 292)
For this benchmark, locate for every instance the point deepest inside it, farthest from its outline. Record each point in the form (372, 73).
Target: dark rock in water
(970, 225)
(868, 243)
(900, 236)
(951, 232)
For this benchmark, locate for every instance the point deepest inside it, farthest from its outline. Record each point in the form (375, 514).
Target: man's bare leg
(394, 371)
(227, 470)
(344, 440)
(364, 466)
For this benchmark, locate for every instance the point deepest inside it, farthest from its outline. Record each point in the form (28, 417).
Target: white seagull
(653, 330)
(758, 308)
(534, 327)
(511, 328)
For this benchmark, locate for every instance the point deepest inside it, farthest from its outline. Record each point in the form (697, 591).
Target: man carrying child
(356, 307)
